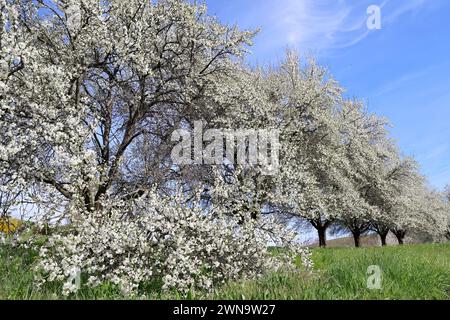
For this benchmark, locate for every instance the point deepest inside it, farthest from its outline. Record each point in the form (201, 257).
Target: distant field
(366, 241)
(408, 272)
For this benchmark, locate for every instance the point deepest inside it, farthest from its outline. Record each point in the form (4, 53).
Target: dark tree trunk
(322, 232)
(383, 239)
(357, 238)
(383, 236)
(400, 240)
(400, 234)
(321, 227)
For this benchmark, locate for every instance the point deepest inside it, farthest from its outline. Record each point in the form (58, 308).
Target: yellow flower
(9, 225)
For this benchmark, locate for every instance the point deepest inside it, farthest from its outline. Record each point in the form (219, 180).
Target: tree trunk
(357, 238)
(400, 234)
(321, 227)
(383, 236)
(322, 232)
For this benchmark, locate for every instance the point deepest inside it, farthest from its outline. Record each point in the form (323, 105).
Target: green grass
(408, 272)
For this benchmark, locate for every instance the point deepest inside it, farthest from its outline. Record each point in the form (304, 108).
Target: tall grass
(408, 272)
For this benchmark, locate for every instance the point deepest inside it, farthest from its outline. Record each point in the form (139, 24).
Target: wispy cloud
(435, 153)
(408, 78)
(317, 25)
(399, 8)
(441, 178)
(313, 25)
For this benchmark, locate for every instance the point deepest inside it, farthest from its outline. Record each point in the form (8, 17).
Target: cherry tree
(360, 134)
(417, 211)
(328, 154)
(87, 91)
(303, 101)
(397, 182)
(77, 97)
(394, 174)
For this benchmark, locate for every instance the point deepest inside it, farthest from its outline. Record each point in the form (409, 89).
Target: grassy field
(408, 272)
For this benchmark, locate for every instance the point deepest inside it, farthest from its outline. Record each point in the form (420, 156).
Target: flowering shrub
(131, 244)
(9, 225)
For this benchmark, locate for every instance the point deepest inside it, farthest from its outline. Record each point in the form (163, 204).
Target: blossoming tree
(87, 92)
(77, 97)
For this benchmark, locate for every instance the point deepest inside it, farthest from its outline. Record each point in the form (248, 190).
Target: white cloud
(318, 25)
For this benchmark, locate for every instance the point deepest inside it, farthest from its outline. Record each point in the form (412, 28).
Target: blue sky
(402, 71)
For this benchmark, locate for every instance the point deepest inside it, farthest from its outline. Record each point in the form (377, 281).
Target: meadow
(408, 272)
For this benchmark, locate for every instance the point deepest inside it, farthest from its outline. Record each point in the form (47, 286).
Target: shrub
(9, 225)
(133, 243)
